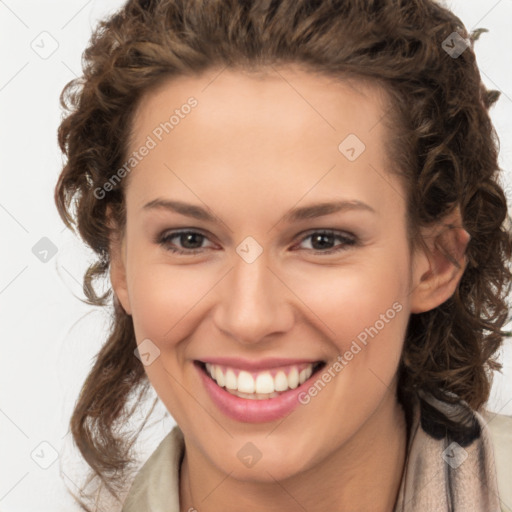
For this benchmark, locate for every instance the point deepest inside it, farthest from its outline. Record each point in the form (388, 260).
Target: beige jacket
(446, 469)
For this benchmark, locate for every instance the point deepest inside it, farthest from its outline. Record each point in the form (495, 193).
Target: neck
(363, 474)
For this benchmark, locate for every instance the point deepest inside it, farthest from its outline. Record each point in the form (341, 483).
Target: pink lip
(262, 364)
(252, 411)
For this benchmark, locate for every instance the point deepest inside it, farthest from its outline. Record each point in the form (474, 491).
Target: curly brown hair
(445, 150)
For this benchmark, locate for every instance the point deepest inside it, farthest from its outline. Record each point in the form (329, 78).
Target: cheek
(366, 316)
(166, 302)
(372, 312)
(163, 297)
(359, 301)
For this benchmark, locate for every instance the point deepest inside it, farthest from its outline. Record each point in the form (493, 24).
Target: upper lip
(254, 365)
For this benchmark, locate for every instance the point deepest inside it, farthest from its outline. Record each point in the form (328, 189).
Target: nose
(254, 302)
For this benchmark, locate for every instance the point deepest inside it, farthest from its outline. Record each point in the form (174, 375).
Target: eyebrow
(294, 215)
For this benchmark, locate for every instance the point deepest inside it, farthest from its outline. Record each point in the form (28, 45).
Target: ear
(438, 264)
(118, 263)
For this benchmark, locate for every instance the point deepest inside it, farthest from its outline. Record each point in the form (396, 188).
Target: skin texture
(255, 147)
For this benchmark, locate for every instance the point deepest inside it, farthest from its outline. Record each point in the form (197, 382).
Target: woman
(298, 206)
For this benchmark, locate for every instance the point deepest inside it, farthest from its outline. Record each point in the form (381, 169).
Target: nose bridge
(252, 301)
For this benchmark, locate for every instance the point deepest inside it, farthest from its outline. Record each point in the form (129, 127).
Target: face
(229, 266)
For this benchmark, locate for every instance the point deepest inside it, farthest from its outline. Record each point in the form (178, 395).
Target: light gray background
(49, 336)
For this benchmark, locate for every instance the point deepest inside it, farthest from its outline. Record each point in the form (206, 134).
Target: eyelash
(347, 240)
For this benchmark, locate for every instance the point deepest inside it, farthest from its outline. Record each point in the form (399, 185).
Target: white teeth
(305, 374)
(258, 386)
(219, 377)
(264, 383)
(231, 380)
(280, 382)
(254, 396)
(245, 382)
(293, 378)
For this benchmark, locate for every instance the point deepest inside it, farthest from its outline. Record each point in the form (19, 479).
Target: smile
(256, 392)
(260, 385)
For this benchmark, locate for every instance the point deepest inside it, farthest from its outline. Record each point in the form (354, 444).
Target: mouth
(264, 384)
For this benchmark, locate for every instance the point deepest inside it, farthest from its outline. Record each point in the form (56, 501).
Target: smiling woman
(309, 266)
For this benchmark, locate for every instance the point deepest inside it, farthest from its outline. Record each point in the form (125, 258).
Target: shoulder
(500, 431)
(157, 482)
(450, 457)
(488, 434)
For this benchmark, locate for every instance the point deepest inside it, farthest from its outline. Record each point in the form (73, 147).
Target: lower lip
(253, 411)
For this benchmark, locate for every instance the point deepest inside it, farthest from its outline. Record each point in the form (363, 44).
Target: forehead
(275, 96)
(282, 128)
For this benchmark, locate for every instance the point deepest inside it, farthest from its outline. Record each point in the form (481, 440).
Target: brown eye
(190, 242)
(324, 241)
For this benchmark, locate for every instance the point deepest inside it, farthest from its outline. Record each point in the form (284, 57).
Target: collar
(449, 464)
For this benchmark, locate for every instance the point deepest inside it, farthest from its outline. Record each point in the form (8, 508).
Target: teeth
(293, 378)
(219, 377)
(245, 382)
(259, 385)
(254, 396)
(280, 382)
(305, 374)
(264, 383)
(230, 380)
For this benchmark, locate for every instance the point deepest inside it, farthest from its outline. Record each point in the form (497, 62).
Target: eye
(191, 241)
(325, 239)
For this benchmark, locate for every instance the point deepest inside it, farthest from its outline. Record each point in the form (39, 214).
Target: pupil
(322, 238)
(321, 241)
(186, 237)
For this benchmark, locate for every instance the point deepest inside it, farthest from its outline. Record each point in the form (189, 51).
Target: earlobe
(118, 270)
(439, 265)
